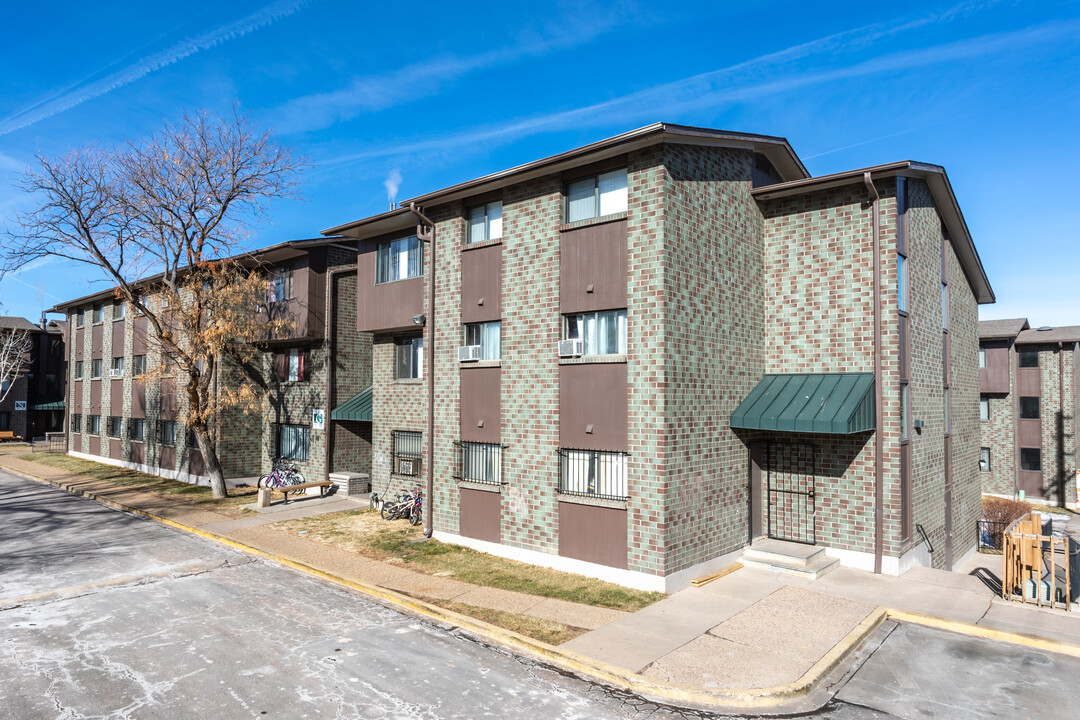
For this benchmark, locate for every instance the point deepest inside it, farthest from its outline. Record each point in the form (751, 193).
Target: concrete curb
(661, 691)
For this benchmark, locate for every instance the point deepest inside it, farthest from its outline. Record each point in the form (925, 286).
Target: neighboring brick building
(117, 418)
(1028, 406)
(35, 404)
(623, 334)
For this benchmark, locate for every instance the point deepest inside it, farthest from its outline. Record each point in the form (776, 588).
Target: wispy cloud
(80, 93)
(372, 93)
(757, 78)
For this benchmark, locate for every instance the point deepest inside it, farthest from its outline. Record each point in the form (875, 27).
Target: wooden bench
(8, 435)
(321, 484)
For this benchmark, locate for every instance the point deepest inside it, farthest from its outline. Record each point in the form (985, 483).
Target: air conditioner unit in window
(114, 372)
(468, 353)
(407, 466)
(571, 348)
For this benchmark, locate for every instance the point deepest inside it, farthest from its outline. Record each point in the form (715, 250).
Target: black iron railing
(479, 462)
(593, 473)
(989, 534)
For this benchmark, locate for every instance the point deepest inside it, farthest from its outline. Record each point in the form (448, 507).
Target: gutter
(425, 232)
(879, 440)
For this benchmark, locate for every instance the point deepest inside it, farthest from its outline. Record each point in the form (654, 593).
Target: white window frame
(608, 192)
(984, 408)
(416, 358)
(399, 259)
(982, 357)
(484, 222)
(488, 335)
(984, 459)
(586, 327)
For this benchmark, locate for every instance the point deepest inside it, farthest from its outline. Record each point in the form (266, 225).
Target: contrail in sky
(66, 100)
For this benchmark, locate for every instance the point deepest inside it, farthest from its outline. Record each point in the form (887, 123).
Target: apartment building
(119, 416)
(34, 405)
(653, 350)
(1028, 406)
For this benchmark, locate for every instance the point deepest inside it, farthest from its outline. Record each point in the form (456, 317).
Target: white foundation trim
(181, 475)
(918, 556)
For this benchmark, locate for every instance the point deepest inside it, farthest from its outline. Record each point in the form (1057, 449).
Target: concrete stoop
(807, 561)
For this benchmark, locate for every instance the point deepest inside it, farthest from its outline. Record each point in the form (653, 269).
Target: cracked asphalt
(107, 614)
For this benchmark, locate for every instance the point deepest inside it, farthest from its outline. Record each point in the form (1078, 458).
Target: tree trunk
(211, 464)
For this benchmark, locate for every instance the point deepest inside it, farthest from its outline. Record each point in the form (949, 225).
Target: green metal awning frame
(828, 403)
(357, 408)
(54, 405)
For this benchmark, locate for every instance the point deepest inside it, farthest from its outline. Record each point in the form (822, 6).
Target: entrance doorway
(790, 504)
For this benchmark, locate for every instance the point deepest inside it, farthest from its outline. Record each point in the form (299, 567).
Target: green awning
(357, 408)
(832, 403)
(54, 405)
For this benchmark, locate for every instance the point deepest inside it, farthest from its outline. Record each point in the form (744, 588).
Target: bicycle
(409, 505)
(281, 476)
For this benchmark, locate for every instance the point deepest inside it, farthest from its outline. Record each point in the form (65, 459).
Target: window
(117, 366)
(603, 333)
(984, 459)
(56, 347)
(488, 336)
(189, 439)
(137, 429)
(95, 368)
(1029, 408)
(406, 451)
(481, 462)
(281, 287)
(944, 306)
(93, 424)
(293, 442)
(115, 426)
(52, 384)
(99, 313)
(167, 432)
(118, 310)
(409, 362)
(1029, 358)
(593, 473)
(984, 408)
(597, 196)
(1031, 459)
(398, 260)
(485, 222)
(78, 369)
(982, 357)
(901, 283)
(138, 365)
(905, 411)
(80, 318)
(293, 365)
(5, 420)
(4, 387)
(76, 423)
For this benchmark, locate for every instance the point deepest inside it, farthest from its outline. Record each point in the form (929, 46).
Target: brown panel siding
(316, 292)
(79, 344)
(137, 454)
(388, 306)
(593, 534)
(195, 463)
(95, 397)
(1029, 433)
(481, 281)
(97, 334)
(1028, 382)
(95, 445)
(138, 399)
(593, 394)
(593, 256)
(480, 402)
(116, 397)
(139, 336)
(116, 448)
(168, 399)
(481, 515)
(118, 338)
(76, 396)
(168, 458)
(994, 378)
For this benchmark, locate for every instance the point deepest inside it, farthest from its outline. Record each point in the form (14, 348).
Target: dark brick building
(35, 404)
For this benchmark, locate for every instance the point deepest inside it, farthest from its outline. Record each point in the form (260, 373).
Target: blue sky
(434, 94)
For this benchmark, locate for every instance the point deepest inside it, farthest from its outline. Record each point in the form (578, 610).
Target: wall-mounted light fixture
(419, 319)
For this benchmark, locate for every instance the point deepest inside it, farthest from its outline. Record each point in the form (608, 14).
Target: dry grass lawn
(548, 631)
(194, 495)
(367, 534)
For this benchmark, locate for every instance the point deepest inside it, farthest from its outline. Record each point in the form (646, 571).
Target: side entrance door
(790, 500)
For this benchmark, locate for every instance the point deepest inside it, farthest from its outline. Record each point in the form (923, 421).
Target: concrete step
(787, 553)
(812, 570)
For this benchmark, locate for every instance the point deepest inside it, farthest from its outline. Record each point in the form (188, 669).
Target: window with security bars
(76, 423)
(293, 442)
(480, 462)
(406, 451)
(593, 473)
(115, 427)
(167, 432)
(137, 429)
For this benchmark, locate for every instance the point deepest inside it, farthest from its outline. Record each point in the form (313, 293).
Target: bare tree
(171, 207)
(15, 346)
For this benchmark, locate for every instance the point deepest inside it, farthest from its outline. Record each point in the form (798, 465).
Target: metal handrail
(926, 538)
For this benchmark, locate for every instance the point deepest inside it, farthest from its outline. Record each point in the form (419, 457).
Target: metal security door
(791, 493)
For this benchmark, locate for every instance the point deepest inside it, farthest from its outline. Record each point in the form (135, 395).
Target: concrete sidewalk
(752, 628)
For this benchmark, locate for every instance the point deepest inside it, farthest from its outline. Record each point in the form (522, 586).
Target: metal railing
(593, 473)
(989, 536)
(479, 462)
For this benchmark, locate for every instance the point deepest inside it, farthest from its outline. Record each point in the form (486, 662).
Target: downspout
(425, 232)
(879, 441)
(329, 345)
(1061, 482)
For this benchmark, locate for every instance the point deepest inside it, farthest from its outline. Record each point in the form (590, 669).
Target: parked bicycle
(282, 475)
(408, 505)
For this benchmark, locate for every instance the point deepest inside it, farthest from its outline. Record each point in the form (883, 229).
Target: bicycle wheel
(294, 478)
(388, 511)
(265, 481)
(417, 515)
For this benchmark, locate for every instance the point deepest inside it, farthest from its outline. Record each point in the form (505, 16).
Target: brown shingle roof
(11, 322)
(1065, 333)
(990, 329)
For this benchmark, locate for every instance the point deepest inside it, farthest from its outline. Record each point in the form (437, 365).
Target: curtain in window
(581, 200)
(491, 339)
(295, 366)
(281, 367)
(293, 442)
(612, 192)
